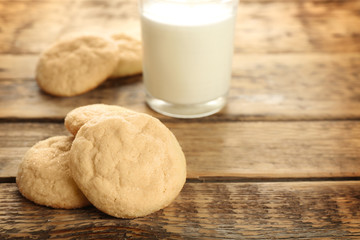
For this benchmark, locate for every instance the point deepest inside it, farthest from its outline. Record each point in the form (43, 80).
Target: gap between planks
(242, 179)
(214, 118)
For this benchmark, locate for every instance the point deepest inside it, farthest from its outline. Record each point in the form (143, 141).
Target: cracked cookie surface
(128, 168)
(44, 175)
(129, 56)
(76, 65)
(76, 118)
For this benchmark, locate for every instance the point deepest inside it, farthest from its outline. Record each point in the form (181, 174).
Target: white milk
(187, 51)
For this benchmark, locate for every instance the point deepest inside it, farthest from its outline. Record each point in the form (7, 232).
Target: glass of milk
(188, 49)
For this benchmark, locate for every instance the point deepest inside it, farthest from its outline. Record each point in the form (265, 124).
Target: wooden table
(281, 161)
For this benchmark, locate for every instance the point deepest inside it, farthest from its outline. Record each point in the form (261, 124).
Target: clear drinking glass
(188, 49)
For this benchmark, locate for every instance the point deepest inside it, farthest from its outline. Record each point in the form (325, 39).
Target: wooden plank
(300, 210)
(298, 26)
(302, 26)
(18, 66)
(22, 98)
(30, 26)
(290, 86)
(264, 87)
(230, 149)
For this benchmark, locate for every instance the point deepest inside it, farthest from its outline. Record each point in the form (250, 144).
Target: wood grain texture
(298, 26)
(305, 210)
(230, 149)
(302, 26)
(285, 86)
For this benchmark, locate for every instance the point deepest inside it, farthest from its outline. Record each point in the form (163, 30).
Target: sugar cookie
(76, 65)
(44, 175)
(127, 170)
(129, 56)
(79, 116)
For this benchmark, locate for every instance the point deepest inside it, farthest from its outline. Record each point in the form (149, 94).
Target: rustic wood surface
(281, 161)
(230, 149)
(264, 87)
(298, 210)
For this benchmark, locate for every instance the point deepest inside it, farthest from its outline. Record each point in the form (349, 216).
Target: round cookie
(44, 175)
(129, 56)
(76, 65)
(125, 170)
(81, 115)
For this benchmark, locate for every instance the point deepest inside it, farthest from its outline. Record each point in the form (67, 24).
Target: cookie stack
(76, 65)
(127, 164)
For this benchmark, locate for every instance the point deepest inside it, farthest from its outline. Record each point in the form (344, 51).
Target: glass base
(186, 110)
